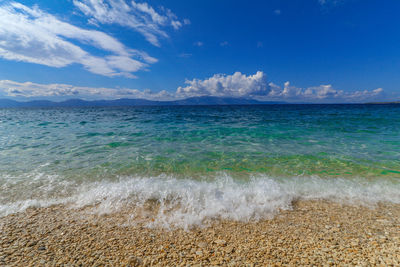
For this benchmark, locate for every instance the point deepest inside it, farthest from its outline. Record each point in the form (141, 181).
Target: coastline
(313, 232)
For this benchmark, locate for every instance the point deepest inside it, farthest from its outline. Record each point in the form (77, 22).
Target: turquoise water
(219, 160)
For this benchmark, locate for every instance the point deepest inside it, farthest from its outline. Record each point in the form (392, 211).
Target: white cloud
(330, 2)
(140, 17)
(64, 91)
(256, 86)
(34, 36)
(198, 43)
(326, 93)
(277, 11)
(185, 55)
(237, 85)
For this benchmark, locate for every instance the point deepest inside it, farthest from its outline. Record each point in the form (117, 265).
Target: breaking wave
(187, 202)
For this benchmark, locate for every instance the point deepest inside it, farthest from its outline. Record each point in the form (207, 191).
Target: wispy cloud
(330, 2)
(198, 43)
(185, 55)
(63, 91)
(225, 43)
(140, 17)
(34, 36)
(277, 11)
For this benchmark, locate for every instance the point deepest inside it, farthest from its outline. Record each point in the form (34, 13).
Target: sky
(314, 51)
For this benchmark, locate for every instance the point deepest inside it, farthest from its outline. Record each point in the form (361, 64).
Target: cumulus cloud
(34, 36)
(256, 86)
(140, 17)
(325, 93)
(237, 85)
(64, 91)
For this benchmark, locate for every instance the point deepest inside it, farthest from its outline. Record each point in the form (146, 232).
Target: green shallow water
(278, 140)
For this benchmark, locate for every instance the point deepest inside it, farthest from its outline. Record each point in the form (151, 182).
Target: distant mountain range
(383, 103)
(192, 101)
(126, 102)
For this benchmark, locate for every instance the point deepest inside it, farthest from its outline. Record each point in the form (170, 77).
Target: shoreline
(313, 232)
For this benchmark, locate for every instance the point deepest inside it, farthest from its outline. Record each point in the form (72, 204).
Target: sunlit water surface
(232, 162)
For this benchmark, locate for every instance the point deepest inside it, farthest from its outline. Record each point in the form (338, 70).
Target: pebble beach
(312, 233)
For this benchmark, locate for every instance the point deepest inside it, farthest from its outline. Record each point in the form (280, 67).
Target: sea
(199, 163)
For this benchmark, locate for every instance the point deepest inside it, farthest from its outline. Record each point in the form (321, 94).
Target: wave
(187, 202)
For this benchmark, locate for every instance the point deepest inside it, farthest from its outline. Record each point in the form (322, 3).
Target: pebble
(202, 245)
(313, 233)
(220, 242)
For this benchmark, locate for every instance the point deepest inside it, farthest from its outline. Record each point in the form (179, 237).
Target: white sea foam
(186, 202)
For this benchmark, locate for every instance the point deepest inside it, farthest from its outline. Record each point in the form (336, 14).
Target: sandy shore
(314, 232)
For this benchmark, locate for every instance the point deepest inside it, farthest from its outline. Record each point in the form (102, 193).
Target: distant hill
(192, 101)
(383, 103)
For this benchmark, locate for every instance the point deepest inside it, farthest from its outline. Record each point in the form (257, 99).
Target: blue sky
(289, 50)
